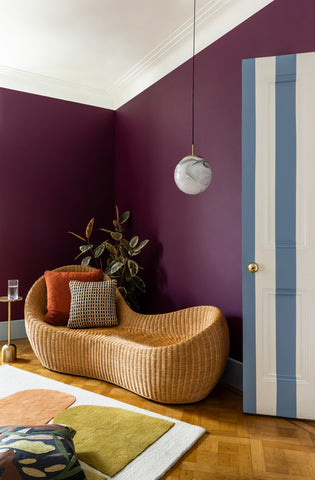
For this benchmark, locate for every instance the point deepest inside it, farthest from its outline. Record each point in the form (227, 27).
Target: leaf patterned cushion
(40, 451)
(93, 304)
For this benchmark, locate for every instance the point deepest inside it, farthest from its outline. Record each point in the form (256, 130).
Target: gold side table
(8, 351)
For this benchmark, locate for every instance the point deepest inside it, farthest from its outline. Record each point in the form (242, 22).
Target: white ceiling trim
(213, 20)
(166, 47)
(15, 79)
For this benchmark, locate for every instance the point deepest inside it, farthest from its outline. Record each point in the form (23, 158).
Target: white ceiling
(104, 52)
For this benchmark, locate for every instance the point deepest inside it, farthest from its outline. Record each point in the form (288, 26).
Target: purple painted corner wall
(56, 171)
(194, 256)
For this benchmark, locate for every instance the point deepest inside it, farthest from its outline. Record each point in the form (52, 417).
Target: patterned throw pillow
(40, 451)
(93, 304)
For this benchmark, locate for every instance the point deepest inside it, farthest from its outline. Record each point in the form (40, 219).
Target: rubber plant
(120, 263)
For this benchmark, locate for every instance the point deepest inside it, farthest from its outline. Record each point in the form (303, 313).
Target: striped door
(278, 178)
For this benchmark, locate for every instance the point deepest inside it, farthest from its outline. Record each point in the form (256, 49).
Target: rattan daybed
(176, 357)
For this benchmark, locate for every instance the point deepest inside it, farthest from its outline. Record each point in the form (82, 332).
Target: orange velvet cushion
(59, 295)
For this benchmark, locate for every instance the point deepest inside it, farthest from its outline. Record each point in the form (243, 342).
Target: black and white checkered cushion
(93, 304)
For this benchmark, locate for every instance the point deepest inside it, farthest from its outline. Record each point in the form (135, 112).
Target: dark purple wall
(194, 256)
(56, 172)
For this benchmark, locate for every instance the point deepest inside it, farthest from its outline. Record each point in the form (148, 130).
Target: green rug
(109, 438)
(93, 475)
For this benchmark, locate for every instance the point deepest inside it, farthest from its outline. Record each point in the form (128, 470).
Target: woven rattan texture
(176, 357)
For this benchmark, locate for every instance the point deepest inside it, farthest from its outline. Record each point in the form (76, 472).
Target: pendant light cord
(193, 83)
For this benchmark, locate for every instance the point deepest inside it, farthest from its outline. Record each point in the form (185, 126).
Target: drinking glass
(13, 289)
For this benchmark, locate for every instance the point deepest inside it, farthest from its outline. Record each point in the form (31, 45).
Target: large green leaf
(133, 268)
(116, 267)
(143, 244)
(123, 252)
(85, 248)
(139, 283)
(125, 243)
(133, 242)
(123, 291)
(89, 228)
(138, 249)
(99, 250)
(86, 261)
(116, 236)
(124, 217)
(111, 248)
(109, 266)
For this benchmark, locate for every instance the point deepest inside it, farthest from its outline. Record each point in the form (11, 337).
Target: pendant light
(192, 174)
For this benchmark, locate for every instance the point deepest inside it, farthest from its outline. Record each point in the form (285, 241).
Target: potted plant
(119, 263)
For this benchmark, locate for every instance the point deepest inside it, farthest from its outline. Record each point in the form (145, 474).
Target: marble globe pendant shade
(192, 175)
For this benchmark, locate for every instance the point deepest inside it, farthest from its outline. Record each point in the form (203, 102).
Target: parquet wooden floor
(236, 445)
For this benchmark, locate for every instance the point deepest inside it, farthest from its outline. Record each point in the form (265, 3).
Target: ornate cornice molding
(214, 19)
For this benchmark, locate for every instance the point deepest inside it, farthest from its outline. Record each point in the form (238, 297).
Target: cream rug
(153, 463)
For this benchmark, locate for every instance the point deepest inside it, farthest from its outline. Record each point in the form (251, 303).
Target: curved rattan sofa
(176, 357)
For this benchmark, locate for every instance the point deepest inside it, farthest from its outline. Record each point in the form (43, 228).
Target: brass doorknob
(253, 267)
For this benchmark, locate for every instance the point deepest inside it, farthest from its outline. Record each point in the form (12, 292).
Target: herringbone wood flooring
(236, 445)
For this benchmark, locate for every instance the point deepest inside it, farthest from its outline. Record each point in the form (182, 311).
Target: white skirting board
(17, 330)
(233, 374)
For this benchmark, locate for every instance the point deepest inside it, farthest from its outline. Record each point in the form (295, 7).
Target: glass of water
(13, 289)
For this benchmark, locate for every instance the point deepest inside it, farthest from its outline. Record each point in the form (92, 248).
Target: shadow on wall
(155, 276)
(235, 328)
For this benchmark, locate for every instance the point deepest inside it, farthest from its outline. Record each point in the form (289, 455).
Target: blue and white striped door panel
(278, 176)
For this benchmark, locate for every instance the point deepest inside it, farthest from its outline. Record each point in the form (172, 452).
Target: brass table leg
(8, 351)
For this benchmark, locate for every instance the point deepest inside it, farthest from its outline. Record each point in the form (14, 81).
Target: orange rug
(33, 407)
